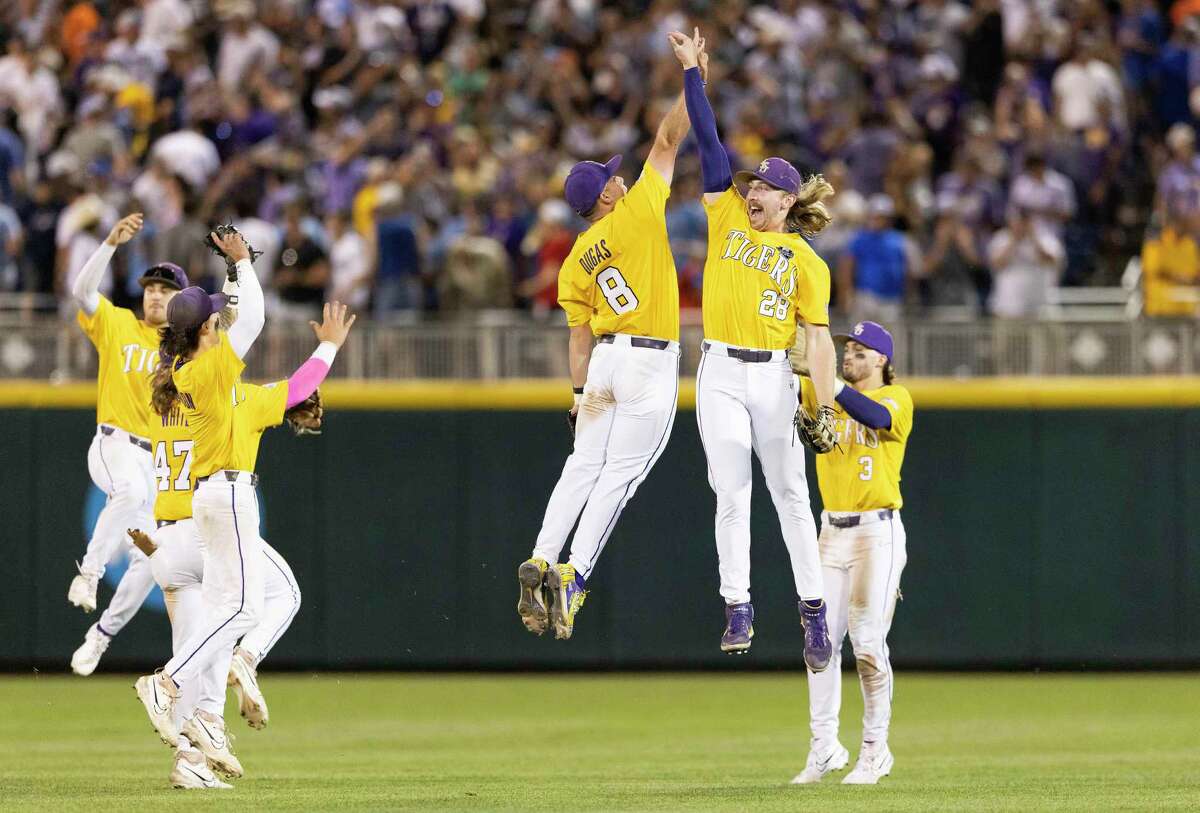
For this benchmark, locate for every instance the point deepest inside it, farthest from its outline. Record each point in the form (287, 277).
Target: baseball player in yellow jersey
(199, 373)
(621, 294)
(176, 557)
(119, 458)
(862, 550)
(760, 278)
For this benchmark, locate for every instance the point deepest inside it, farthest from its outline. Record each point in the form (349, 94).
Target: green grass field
(608, 743)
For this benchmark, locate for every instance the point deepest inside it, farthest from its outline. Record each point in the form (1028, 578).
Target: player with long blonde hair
(761, 278)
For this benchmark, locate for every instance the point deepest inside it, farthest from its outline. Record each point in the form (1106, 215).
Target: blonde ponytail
(808, 214)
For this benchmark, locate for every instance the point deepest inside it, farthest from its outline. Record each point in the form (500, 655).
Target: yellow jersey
(206, 393)
(863, 474)
(758, 284)
(620, 275)
(128, 350)
(257, 409)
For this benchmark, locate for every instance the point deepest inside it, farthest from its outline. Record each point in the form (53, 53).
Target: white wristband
(578, 398)
(326, 352)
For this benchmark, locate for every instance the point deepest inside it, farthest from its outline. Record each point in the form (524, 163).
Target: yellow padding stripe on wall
(928, 393)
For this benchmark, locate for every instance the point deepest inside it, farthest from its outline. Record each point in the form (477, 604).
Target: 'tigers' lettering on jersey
(143, 364)
(595, 255)
(863, 435)
(771, 260)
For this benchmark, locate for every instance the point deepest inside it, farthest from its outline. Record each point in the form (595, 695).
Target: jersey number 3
(616, 290)
(162, 465)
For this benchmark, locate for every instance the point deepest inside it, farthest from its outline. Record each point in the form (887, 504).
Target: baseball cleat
(822, 761)
(739, 628)
(532, 604)
(207, 732)
(243, 677)
(158, 694)
(874, 762)
(191, 771)
(87, 657)
(82, 592)
(566, 597)
(817, 648)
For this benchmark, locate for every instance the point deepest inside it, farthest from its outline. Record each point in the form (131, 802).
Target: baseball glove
(305, 417)
(224, 230)
(816, 433)
(572, 420)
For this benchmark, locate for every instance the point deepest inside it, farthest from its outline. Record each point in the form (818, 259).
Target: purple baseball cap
(167, 273)
(586, 181)
(774, 171)
(191, 307)
(872, 335)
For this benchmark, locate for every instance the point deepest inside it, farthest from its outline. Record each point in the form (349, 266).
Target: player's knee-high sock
(281, 602)
(136, 583)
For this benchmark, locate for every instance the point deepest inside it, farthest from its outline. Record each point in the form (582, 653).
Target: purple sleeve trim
(305, 380)
(714, 161)
(862, 409)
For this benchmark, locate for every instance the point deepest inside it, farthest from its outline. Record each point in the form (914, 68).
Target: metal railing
(509, 345)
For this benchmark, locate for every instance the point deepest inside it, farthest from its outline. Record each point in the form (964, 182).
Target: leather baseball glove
(798, 355)
(224, 230)
(816, 433)
(305, 417)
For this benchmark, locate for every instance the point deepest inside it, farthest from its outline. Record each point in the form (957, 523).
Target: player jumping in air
(862, 550)
(621, 294)
(199, 372)
(760, 278)
(119, 459)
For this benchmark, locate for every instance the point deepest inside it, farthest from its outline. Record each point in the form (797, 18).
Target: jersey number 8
(616, 290)
(773, 304)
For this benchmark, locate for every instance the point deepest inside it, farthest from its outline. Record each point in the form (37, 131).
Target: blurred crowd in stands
(408, 155)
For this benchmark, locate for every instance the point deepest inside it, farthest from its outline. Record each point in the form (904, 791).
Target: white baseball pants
(125, 473)
(226, 516)
(178, 566)
(862, 567)
(625, 419)
(741, 407)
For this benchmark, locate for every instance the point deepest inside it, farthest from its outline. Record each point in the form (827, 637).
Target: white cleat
(87, 657)
(191, 771)
(874, 762)
(822, 761)
(82, 592)
(243, 677)
(207, 732)
(158, 694)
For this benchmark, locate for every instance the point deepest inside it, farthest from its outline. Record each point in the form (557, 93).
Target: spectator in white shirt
(350, 258)
(1026, 259)
(164, 21)
(1082, 85)
(245, 46)
(188, 154)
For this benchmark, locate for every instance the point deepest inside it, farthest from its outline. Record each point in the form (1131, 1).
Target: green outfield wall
(1051, 535)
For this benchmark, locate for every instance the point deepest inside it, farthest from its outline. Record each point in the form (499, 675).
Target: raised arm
(251, 308)
(714, 161)
(332, 334)
(86, 289)
(674, 128)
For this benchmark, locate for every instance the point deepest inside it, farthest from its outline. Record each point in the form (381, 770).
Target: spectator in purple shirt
(1178, 192)
(869, 152)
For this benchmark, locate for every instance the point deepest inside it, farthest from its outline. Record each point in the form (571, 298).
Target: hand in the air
(232, 245)
(125, 229)
(334, 325)
(687, 49)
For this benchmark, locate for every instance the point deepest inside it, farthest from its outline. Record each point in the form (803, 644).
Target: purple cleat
(817, 648)
(739, 628)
